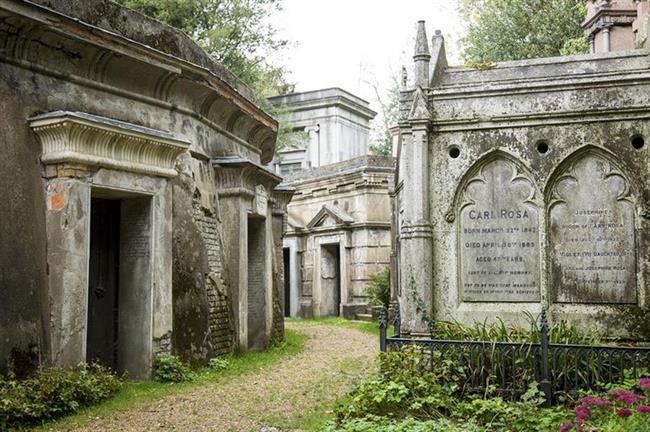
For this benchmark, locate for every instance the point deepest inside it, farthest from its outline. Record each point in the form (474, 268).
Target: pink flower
(594, 401)
(624, 412)
(626, 396)
(645, 383)
(643, 409)
(582, 413)
(566, 426)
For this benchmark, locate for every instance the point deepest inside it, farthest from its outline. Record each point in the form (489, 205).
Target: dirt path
(283, 396)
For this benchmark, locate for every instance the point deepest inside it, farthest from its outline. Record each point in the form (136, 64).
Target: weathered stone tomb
(139, 219)
(338, 232)
(524, 185)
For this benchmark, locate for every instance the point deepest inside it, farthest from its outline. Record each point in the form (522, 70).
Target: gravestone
(499, 236)
(592, 235)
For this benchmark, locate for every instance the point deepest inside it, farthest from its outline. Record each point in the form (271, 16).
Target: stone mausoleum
(140, 216)
(526, 185)
(339, 218)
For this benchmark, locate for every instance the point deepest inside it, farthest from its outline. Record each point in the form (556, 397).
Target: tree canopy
(236, 33)
(501, 30)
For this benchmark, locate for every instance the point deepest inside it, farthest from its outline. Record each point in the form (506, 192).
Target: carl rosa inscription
(593, 257)
(499, 236)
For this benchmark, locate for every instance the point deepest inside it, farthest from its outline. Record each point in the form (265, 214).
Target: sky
(349, 43)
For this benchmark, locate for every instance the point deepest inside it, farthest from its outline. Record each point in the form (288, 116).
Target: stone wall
(527, 189)
(22, 238)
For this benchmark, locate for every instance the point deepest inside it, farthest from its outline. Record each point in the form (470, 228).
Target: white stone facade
(336, 125)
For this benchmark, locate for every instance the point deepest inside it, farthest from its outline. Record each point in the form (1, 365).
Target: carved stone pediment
(91, 140)
(330, 215)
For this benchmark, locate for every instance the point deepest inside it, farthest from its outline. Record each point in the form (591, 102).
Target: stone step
(363, 317)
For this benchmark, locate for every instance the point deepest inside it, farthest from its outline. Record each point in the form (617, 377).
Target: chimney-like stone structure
(616, 25)
(422, 57)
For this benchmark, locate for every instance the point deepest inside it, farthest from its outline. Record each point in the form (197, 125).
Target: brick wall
(219, 307)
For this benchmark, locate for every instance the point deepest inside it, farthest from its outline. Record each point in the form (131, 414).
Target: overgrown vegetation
(378, 288)
(53, 393)
(416, 391)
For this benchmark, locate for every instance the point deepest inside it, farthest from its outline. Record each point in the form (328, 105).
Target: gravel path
(334, 359)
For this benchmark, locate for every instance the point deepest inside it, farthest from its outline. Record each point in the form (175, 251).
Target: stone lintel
(249, 167)
(76, 139)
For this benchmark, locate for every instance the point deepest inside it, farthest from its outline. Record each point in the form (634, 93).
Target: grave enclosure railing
(560, 370)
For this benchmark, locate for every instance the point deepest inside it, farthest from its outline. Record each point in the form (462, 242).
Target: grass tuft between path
(135, 394)
(364, 326)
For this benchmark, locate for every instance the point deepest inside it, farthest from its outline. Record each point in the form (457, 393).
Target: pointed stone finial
(421, 43)
(422, 56)
(404, 82)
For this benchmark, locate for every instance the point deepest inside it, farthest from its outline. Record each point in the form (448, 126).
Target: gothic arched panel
(498, 233)
(591, 232)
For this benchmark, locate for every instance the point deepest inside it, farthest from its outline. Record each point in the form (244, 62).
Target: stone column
(68, 227)
(592, 44)
(606, 39)
(416, 233)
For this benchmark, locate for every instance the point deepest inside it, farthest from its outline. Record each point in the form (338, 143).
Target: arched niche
(591, 230)
(498, 217)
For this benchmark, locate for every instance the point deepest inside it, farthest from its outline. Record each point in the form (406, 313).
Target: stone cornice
(558, 118)
(610, 15)
(207, 89)
(86, 139)
(540, 84)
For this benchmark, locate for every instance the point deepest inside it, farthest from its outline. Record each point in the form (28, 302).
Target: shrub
(379, 424)
(620, 409)
(378, 288)
(171, 369)
(52, 393)
(218, 364)
(404, 389)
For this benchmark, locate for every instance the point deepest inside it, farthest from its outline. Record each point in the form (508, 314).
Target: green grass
(364, 326)
(134, 394)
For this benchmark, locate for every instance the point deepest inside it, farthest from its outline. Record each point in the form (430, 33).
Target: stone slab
(499, 236)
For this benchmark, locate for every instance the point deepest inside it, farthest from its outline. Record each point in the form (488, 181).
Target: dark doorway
(330, 280)
(102, 328)
(287, 281)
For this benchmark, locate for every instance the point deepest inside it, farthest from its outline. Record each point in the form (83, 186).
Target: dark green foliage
(378, 288)
(53, 393)
(171, 369)
(417, 390)
(218, 364)
(407, 388)
(501, 30)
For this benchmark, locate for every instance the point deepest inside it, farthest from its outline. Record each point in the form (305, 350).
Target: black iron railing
(508, 367)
